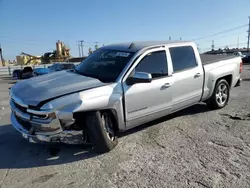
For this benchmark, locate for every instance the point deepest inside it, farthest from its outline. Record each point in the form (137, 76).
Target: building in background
(62, 50)
(61, 54)
(25, 59)
(21, 60)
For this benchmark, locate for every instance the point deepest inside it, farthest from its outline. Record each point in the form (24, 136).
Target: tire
(220, 96)
(100, 130)
(15, 76)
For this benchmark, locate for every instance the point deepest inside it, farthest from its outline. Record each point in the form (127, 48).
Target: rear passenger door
(188, 77)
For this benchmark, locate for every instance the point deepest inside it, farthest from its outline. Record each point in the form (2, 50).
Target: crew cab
(119, 87)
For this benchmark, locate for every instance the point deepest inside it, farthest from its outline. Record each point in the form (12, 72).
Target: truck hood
(49, 86)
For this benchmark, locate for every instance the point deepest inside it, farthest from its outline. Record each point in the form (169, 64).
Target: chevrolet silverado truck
(119, 87)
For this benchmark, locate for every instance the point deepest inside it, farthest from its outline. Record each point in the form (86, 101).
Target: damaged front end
(52, 123)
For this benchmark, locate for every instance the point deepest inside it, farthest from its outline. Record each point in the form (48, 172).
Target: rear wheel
(101, 131)
(220, 96)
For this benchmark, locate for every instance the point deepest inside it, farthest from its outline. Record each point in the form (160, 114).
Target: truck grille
(23, 109)
(25, 124)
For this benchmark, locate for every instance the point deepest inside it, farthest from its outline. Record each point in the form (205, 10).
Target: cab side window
(154, 63)
(183, 58)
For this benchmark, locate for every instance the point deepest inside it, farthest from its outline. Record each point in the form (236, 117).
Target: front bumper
(68, 137)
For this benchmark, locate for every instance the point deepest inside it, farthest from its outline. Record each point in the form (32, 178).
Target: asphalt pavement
(196, 147)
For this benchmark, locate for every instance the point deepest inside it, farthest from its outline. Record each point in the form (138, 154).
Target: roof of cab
(136, 46)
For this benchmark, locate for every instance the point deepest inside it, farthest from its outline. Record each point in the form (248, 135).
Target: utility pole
(96, 45)
(212, 45)
(1, 56)
(238, 41)
(169, 38)
(79, 50)
(81, 45)
(248, 35)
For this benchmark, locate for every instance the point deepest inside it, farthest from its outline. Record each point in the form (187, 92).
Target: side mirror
(139, 77)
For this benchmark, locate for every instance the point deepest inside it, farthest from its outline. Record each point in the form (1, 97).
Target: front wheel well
(113, 115)
(81, 116)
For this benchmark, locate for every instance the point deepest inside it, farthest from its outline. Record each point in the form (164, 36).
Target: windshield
(104, 64)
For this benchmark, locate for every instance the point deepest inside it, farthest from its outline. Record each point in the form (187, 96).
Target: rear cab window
(183, 58)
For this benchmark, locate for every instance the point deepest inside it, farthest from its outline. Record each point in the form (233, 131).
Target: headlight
(52, 115)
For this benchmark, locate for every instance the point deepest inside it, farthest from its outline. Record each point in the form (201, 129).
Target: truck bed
(209, 59)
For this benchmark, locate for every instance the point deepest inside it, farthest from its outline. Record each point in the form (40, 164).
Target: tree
(96, 46)
(90, 51)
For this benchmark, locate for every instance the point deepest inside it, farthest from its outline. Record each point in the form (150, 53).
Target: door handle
(197, 75)
(166, 85)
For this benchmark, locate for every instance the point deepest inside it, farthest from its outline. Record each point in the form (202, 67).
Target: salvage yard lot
(192, 148)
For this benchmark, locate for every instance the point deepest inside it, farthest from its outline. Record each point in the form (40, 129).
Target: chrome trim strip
(37, 117)
(40, 121)
(35, 112)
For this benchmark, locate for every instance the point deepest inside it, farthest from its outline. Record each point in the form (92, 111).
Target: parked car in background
(26, 73)
(16, 73)
(61, 66)
(120, 87)
(239, 54)
(246, 59)
(41, 71)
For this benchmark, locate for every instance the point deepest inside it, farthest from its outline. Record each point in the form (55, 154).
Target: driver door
(147, 101)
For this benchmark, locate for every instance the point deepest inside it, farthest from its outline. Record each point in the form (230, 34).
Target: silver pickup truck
(119, 87)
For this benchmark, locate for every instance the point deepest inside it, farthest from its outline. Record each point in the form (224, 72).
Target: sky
(35, 26)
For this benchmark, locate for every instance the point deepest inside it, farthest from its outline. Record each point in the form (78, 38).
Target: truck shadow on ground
(16, 152)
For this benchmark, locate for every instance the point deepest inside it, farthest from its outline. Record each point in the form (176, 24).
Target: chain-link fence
(9, 69)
